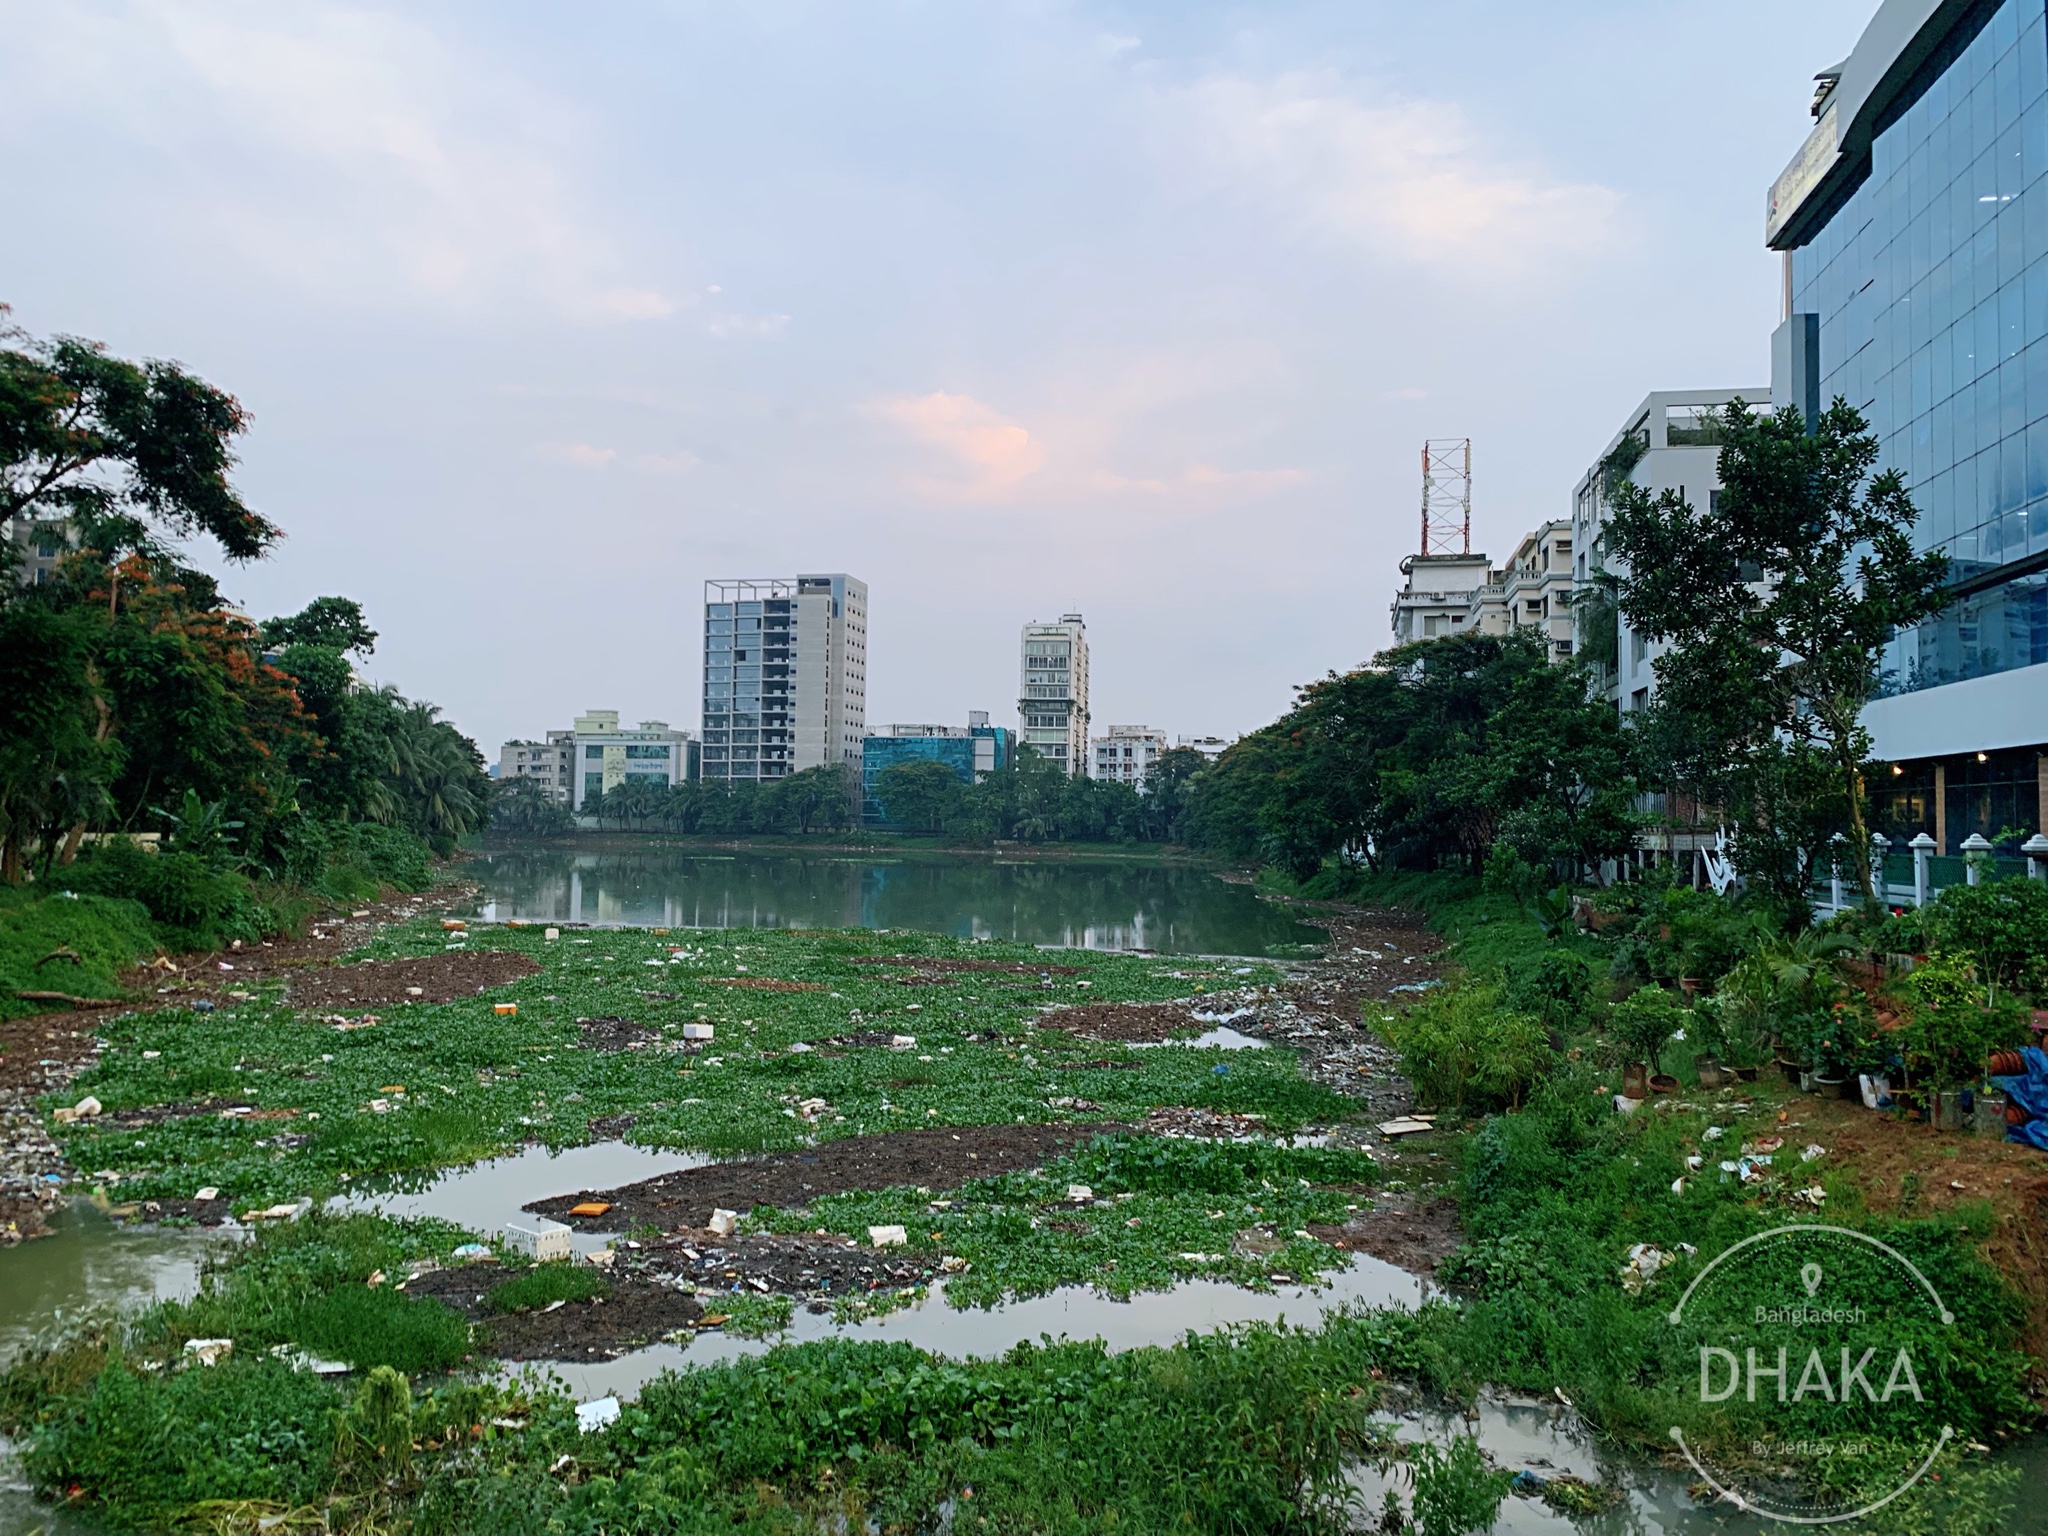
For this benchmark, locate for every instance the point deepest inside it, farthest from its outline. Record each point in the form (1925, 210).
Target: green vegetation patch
(1124, 1214)
(78, 945)
(562, 1280)
(430, 1085)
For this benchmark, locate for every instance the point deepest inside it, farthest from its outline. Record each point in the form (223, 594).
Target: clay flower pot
(1663, 1082)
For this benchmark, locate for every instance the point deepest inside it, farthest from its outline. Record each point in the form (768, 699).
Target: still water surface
(1114, 904)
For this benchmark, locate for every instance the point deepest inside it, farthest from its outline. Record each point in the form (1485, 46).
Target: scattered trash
(86, 1108)
(1814, 1196)
(1694, 1162)
(595, 1415)
(1678, 1186)
(800, 1048)
(453, 925)
(415, 991)
(554, 1306)
(1080, 1194)
(551, 934)
(208, 1193)
(1624, 1105)
(290, 1210)
(1712, 1133)
(1876, 1091)
(504, 1008)
(1644, 1260)
(590, 1208)
(698, 1032)
(902, 1042)
(1813, 1150)
(304, 1360)
(470, 1251)
(724, 1223)
(542, 1240)
(603, 1258)
(209, 1351)
(888, 1237)
(1407, 1125)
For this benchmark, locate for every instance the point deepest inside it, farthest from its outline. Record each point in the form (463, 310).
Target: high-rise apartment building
(1914, 227)
(1052, 691)
(785, 675)
(971, 751)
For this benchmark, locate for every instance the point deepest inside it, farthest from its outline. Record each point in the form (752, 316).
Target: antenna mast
(1447, 496)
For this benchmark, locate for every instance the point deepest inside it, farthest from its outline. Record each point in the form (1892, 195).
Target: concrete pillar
(1923, 850)
(1941, 808)
(2036, 850)
(1880, 847)
(1835, 872)
(1976, 854)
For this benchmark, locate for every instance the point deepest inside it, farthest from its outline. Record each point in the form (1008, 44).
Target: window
(595, 754)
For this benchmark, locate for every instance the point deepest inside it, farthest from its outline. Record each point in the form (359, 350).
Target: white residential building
(1127, 754)
(606, 756)
(785, 675)
(1052, 691)
(1438, 596)
(1670, 442)
(547, 763)
(1533, 591)
(1211, 747)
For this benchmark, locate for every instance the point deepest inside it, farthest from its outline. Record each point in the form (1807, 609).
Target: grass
(561, 1280)
(39, 938)
(1159, 1211)
(476, 1083)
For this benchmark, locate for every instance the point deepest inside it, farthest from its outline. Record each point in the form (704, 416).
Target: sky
(546, 314)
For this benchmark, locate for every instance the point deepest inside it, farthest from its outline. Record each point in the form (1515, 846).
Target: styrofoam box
(698, 1032)
(538, 1240)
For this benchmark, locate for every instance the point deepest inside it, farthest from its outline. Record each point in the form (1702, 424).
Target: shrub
(195, 904)
(1643, 1023)
(1463, 1051)
(2004, 923)
(1556, 986)
(1455, 1492)
(1951, 1024)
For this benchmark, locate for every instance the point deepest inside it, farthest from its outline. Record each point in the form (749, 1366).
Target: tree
(126, 451)
(1779, 596)
(921, 796)
(521, 806)
(329, 623)
(820, 798)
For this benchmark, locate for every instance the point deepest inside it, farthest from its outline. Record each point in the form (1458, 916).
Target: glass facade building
(1928, 274)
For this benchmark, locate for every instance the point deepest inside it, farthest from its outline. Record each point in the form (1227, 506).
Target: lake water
(1082, 903)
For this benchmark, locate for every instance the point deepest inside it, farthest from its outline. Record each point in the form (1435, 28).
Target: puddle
(1154, 1317)
(90, 1266)
(484, 1196)
(1221, 1038)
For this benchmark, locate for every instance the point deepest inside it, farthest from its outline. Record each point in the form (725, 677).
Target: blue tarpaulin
(2030, 1092)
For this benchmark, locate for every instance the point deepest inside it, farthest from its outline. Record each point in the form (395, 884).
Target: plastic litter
(724, 1223)
(551, 934)
(597, 1414)
(590, 1208)
(504, 1008)
(208, 1193)
(1407, 1125)
(540, 1241)
(699, 1031)
(1644, 1260)
(209, 1351)
(888, 1237)
(1080, 1194)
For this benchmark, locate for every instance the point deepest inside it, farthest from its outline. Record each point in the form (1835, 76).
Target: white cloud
(578, 455)
(1404, 179)
(349, 151)
(984, 453)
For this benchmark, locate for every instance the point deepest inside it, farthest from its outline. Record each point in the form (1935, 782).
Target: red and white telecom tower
(1447, 496)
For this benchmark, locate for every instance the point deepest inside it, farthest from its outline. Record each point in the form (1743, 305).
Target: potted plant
(1952, 1024)
(1640, 1026)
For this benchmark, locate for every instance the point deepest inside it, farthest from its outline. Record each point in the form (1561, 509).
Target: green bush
(1557, 987)
(1464, 1051)
(1456, 1493)
(153, 1445)
(1643, 1023)
(1952, 1024)
(40, 935)
(194, 904)
(2004, 923)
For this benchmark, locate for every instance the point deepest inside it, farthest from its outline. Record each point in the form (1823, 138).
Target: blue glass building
(969, 751)
(1914, 223)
